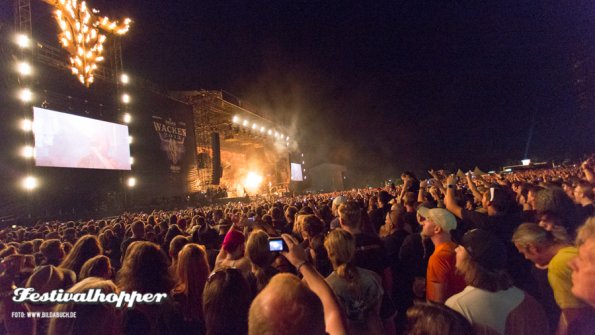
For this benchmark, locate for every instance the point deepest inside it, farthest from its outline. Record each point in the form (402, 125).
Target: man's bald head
(286, 306)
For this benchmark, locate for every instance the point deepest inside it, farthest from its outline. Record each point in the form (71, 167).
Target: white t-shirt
(486, 311)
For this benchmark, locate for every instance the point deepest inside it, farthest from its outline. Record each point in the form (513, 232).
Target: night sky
(383, 86)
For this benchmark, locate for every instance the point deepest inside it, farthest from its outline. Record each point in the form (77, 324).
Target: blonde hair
(340, 246)
(103, 317)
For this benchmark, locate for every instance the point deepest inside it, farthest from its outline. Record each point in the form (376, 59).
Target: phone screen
(277, 245)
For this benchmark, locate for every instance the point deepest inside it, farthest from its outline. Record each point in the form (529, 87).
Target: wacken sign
(172, 135)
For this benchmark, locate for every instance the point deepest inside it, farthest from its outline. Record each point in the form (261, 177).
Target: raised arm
(449, 200)
(333, 314)
(476, 195)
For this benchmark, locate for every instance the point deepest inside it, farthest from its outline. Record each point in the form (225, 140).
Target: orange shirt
(441, 269)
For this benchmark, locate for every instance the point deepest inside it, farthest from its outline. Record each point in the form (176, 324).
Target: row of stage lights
(262, 129)
(26, 95)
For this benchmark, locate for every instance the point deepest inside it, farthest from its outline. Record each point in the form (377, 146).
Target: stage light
(235, 119)
(125, 98)
(124, 78)
(24, 68)
(254, 126)
(127, 118)
(245, 123)
(129, 139)
(252, 181)
(287, 138)
(302, 154)
(303, 162)
(131, 160)
(131, 182)
(305, 177)
(526, 162)
(262, 129)
(26, 125)
(27, 151)
(23, 41)
(26, 95)
(29, 183)
(270, 132)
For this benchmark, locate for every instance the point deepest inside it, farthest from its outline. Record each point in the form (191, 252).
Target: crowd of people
(467, 254)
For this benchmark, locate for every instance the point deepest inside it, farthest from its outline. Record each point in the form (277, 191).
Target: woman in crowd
(85, 248)
(145, 269)
(98, 266)
(359, 291)
(93, 319)
(192, 272)
(257, 251)
(226, 301)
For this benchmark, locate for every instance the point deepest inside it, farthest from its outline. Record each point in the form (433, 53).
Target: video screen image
(71, 141)
(296, 172)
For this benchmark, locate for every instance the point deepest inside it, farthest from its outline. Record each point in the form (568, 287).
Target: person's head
(408, 175)
(233, 243)
(138, 229)
(340, 247)
(52, 250)
(176, 244)
(145, 269)
(338, 201)
(286, 306)
(436, 221)
(85, 248)
(497, 201)
(481, 259)
(583, 266)
(226, 300)
(257, 251)
(98, 266)
(555, 208)
(395, 219)
(534, 241)
(311, 226)
(350, 215)
(290, 213)
(90, 318)
(436, 319)
(583, 191)
(384, 198)
(192, 271)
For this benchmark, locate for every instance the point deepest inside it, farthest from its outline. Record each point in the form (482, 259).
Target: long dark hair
(145, 269)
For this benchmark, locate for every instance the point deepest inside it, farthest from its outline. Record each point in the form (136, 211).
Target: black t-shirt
(502, 225)
(370, 253)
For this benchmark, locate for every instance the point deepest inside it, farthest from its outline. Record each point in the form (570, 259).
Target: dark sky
(383, 86)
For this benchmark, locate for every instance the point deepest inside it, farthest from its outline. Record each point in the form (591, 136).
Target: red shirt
(441, 269)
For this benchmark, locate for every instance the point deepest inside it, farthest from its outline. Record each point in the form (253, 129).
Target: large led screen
(296, 172)
(66, 140)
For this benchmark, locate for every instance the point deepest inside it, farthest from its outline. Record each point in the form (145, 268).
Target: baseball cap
(485, 249)
(439, 216)
(232, 240)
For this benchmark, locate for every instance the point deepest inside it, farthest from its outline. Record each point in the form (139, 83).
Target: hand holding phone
(277, 244)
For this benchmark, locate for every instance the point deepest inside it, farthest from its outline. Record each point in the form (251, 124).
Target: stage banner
(164, 153)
